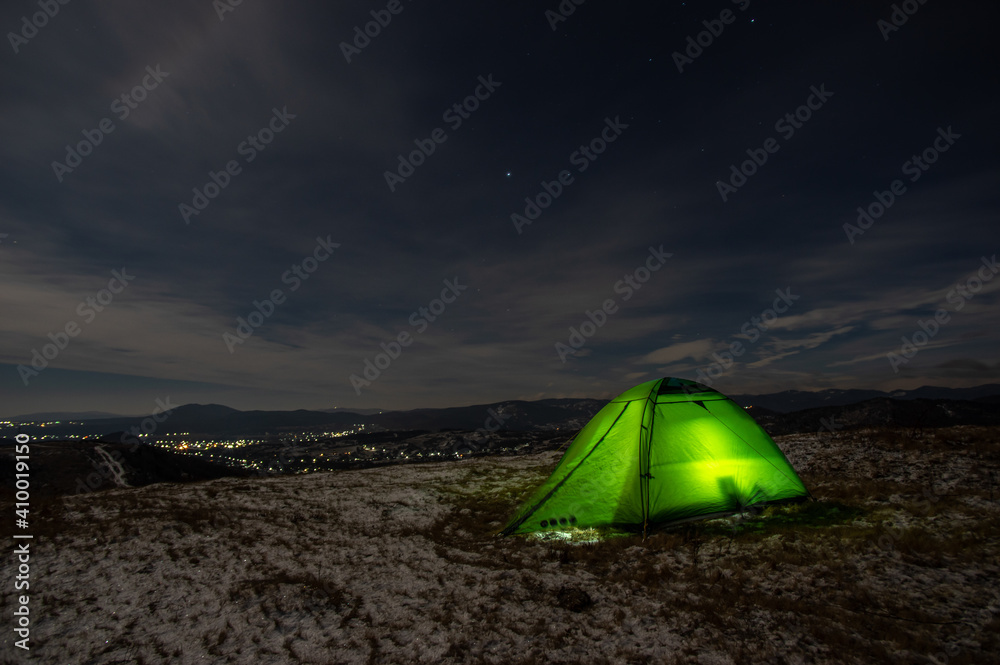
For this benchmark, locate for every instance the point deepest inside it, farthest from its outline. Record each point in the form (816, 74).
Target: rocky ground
(896, 561)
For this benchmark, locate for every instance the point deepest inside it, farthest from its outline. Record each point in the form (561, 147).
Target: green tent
(664, 451)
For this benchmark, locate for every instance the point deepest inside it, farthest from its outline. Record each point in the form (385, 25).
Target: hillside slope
(896, 560)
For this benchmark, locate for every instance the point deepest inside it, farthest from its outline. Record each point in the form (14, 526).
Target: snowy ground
(897, 562)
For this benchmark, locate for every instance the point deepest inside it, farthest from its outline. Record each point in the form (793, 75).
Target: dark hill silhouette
(74, 467)
(881, 412)
(796, 400)
(69, 467)
(922, 405)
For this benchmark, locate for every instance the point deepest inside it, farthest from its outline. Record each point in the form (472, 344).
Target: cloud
(696, 350)
(325, 175)
(788, 347)
(970, 368)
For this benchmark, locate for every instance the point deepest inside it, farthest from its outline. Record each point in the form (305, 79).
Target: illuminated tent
(664, 451)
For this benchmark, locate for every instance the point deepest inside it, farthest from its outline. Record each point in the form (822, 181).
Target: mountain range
(796, 400)
(216, 420)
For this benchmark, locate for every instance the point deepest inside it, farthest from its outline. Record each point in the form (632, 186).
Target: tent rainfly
(664, 451)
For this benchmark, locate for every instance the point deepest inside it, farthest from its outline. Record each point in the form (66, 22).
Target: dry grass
(896, 560)
(830, 566)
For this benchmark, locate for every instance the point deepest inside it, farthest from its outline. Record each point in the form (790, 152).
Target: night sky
(188, 165)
